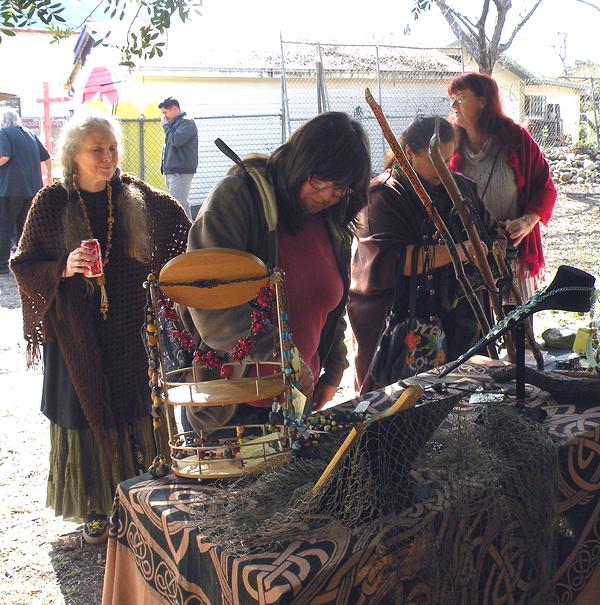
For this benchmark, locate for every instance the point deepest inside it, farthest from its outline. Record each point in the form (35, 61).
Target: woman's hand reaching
(323, 394)
(518, 228)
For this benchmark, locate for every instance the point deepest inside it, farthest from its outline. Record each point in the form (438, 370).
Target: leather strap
(487, 184)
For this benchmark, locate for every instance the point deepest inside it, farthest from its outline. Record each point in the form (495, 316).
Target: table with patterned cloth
(157, 554)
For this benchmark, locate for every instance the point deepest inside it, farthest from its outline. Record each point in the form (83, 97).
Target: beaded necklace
(100, 280)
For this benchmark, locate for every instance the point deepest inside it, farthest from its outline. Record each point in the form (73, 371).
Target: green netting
(450, 502)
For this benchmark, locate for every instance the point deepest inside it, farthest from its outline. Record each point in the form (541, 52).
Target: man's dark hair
(168, 103)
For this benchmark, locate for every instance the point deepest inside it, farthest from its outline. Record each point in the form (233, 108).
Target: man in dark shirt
(180, 151)
(21, 154)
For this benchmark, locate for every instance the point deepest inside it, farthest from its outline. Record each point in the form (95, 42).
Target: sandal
(95, 528)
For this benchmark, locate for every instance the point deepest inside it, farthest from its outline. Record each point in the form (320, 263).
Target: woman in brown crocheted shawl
(95, 389)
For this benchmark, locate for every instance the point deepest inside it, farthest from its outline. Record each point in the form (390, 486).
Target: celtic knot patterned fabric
(157, 552)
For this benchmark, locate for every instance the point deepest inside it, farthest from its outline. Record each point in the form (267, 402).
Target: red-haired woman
(513, 178)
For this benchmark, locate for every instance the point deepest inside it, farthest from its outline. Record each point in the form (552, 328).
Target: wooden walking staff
(464, 213)
(436, 219)
(504, 272)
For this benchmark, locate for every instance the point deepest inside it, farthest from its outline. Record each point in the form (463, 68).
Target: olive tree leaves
(147, 22)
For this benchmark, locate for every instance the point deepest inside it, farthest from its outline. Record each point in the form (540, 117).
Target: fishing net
(452, 490)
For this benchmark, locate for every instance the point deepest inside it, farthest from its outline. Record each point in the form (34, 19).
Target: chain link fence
(589, 122)
(143, 141)
(557, 112)
(406, 82)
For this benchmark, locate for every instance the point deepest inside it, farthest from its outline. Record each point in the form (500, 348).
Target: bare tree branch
(589, 4)
(484, 15)
(454, 19)
(505, 45)
(502, 7)
(473, 35)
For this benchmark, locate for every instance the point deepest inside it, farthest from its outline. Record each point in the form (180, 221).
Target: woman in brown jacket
(393, 227)
(95, 390)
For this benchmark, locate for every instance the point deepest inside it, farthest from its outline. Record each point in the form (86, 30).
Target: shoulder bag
(412, 344)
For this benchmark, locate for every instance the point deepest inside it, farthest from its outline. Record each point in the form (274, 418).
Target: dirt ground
(42, 558)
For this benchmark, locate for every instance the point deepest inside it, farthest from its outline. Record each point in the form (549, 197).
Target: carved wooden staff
(434, 215)
(464, 213)
(505, 274)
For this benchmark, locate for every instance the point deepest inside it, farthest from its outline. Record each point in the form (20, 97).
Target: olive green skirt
(76, 483)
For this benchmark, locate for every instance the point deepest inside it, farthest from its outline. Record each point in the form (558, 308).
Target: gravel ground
(42, 558)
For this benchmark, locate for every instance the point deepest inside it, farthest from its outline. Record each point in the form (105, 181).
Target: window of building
(535, 106)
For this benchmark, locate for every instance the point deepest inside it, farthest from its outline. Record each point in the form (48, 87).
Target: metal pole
(323, 83)
(596, 125)
(319, 91)
(379, 94)
(286, 127)
(519, 340)
(141, 139)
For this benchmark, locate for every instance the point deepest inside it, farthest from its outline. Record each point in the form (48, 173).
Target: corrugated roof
(303, 57)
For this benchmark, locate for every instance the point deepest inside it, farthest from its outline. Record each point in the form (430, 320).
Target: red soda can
(93, 247)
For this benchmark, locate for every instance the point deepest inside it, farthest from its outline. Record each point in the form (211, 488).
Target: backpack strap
(264, 190)
(267, 196)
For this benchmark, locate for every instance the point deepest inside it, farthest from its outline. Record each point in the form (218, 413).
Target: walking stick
(435, 217)
(464, 213)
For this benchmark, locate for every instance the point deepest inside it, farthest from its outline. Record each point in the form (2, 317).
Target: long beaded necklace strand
(100, 280)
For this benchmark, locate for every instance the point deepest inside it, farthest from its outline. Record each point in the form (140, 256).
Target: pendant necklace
(100, 280)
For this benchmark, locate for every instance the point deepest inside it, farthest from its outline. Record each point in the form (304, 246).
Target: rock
(557, 338)
(576, 165)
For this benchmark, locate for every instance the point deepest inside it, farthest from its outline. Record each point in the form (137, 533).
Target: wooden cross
(47, 100)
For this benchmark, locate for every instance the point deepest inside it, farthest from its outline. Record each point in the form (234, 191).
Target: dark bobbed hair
(492, 120)
(418, 134)
(168, 103)
(332, 147)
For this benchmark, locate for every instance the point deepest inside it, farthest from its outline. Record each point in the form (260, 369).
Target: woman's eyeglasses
(338, 190)
(459, 99)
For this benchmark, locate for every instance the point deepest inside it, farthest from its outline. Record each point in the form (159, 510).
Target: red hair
(492, 119)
